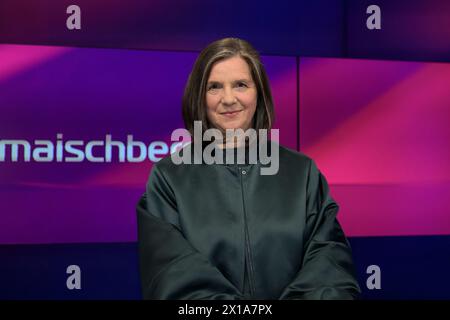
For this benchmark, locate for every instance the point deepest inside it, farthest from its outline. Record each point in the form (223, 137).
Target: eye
(242, 85)
(213, 86)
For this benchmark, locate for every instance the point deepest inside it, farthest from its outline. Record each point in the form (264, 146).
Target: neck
(237, 142)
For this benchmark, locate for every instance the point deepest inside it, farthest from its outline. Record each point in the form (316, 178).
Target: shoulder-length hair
(194, 98)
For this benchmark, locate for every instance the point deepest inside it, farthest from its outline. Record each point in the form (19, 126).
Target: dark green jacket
(226, 232)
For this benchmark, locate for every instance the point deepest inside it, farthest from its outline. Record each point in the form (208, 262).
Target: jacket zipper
(247, 241)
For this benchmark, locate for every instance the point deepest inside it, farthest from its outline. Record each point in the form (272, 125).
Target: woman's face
(231, 95)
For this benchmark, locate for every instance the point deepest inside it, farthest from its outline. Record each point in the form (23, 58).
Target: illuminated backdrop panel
(379, 131)
(73, 115)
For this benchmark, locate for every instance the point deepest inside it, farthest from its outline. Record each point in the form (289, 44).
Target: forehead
(230, 69)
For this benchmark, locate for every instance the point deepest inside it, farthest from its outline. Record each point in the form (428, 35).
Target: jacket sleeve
(170, 267)
(327, 270)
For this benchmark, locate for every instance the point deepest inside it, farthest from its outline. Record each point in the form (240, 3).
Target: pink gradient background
(379, 131)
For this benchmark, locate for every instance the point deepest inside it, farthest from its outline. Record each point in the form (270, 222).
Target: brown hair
(194, 98)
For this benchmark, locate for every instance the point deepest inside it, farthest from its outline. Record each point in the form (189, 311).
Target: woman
(224, 231)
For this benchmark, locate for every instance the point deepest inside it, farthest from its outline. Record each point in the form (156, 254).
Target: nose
(228, 97)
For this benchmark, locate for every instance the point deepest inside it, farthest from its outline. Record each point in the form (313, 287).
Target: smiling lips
(231, 113)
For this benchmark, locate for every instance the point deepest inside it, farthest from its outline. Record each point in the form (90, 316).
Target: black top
(227, 232)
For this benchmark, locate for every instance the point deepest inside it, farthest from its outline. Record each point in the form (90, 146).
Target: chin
(233, 127)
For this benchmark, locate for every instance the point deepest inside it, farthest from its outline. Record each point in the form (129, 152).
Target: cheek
(249, 100)
(211, 106)
(211, 102)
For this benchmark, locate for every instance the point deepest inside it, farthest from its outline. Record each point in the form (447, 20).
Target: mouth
(231, 113)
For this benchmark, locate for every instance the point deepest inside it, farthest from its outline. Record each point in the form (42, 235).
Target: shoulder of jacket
(294, 155)
(166, 164)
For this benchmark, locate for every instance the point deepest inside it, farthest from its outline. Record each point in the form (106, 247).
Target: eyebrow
(235, 81)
